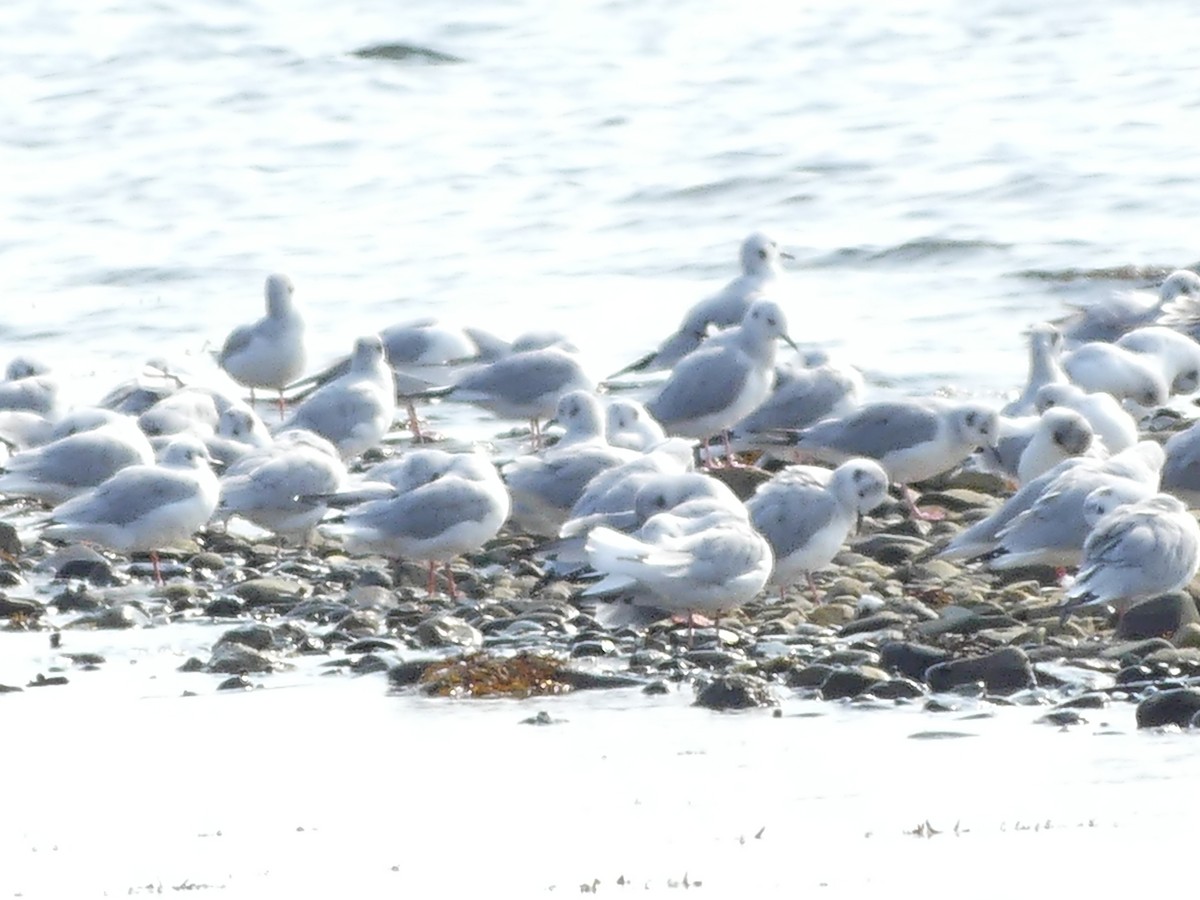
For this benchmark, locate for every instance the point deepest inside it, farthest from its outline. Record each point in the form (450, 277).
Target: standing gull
(144, 507)
(807, 522)
(712, 389)
(1112, 424)
(759, 257)
(913, 440)
(1045, 367)
(354, 411)
(270, 352)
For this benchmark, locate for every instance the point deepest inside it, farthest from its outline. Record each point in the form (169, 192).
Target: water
(945, 173)
(585, 167)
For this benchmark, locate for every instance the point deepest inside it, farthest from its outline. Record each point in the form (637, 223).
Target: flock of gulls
(622, 493)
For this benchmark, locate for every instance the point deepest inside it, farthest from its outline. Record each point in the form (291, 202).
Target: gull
(801, 397)
(276, 493)
(1123, 373)
(1045, 367)
(628, 424)
(28, 386)
(1136, 552)
(1177, 355)
(1050, 508)
(545, 486)
(807, 522)
(759, 256)
(144, 507)
(1181, 471)
(268, 353)
(78, 462)
(712, 389)
(240, 431)
(1108, 319)
(1181, 302)
(523, 385)
(913, 440)
(699, 556)
(1112, 424)
(456, 512)
(354, 411)
(1060, 434)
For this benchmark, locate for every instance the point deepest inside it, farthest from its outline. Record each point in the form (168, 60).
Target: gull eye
(762, 253)
(971, 419)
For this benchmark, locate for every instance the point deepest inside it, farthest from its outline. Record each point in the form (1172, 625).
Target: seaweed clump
(480, 675)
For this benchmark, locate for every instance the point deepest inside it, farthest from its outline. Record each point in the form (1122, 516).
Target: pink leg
(414, 424)
(536, 431)
(812, 586)
(157, 571)
(450, 581)
(933, 514)
(431, 584)
(281, 406)
(730, 459)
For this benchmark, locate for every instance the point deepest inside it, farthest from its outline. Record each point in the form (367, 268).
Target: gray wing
(126, 497)
(701, 384)
(806, 398)
(239, 339)
(426, 512)
(789, 518)
(523, 377)
(875, 430)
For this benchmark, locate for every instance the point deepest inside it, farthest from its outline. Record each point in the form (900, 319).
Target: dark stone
(542, 718)
(10, 543)
(370, 645)
(1158, 617)
(810, 676)
(735, 691)
(279, 593)
(373, 576)
(1173, 707)
(933, 704)
(897, 689)
(97, 571)
(890, 549)
(1085, 701)
(582, 680)
(602, 647)
(368, 663)
(10, 578)
(235, 683)
(255, 636)
(13, 606)
(653, 689)
(852, 657)
(713, 659)
(88, 660)
(238, 659)
(1003, 672)
(212, 562)
(1062, 718)
(192, 664)
(1135, 650)
(883, 619)
(76, 599)
(409, 672)
(847, 683)
(10, 689)
(42, 681)
(448, 631)
(910, 659)
(227, 607)
(1134, 675)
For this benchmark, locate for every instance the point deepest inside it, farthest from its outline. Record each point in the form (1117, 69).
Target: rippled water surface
(938, 168)
(946, 173)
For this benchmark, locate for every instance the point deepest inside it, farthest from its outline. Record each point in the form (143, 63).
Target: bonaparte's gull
(759, 257)
(268, 353)
(1112, 424)
(144, 507)
(806, 522)
(1176, 354)
(913, 440)
(455, 513)
(715, 387)
(1060, 433)
(1136, 552)
(1111, 317)
(355, 410)
(800, 398)
(1123, 373)
(1045, 367)
(628, 424)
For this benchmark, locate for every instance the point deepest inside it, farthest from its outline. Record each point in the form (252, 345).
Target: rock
(409, 672)
(656, 688)
(1171, 707)
(448, 631)
(25, 609)
(809, 676)
(1062, 718)
(10, 543)
(897, 689)
(735, 691)
(584, 680)
(238, 659)
(1085, 701)
(1134, 650)
(542, 718)
(212, 562)
(370, 645)
(227, 607)
(279, 593)
(1003, 672)
(117, 617)
(910, 659)
(97, 571)
(1187, 636)
(42, 681)
(1159, 617)
(843, 683)
(831, 615)
(256, 636)
(876, 622)
(601, 647)
(891, 549)
(368, 663)
(236, 683)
